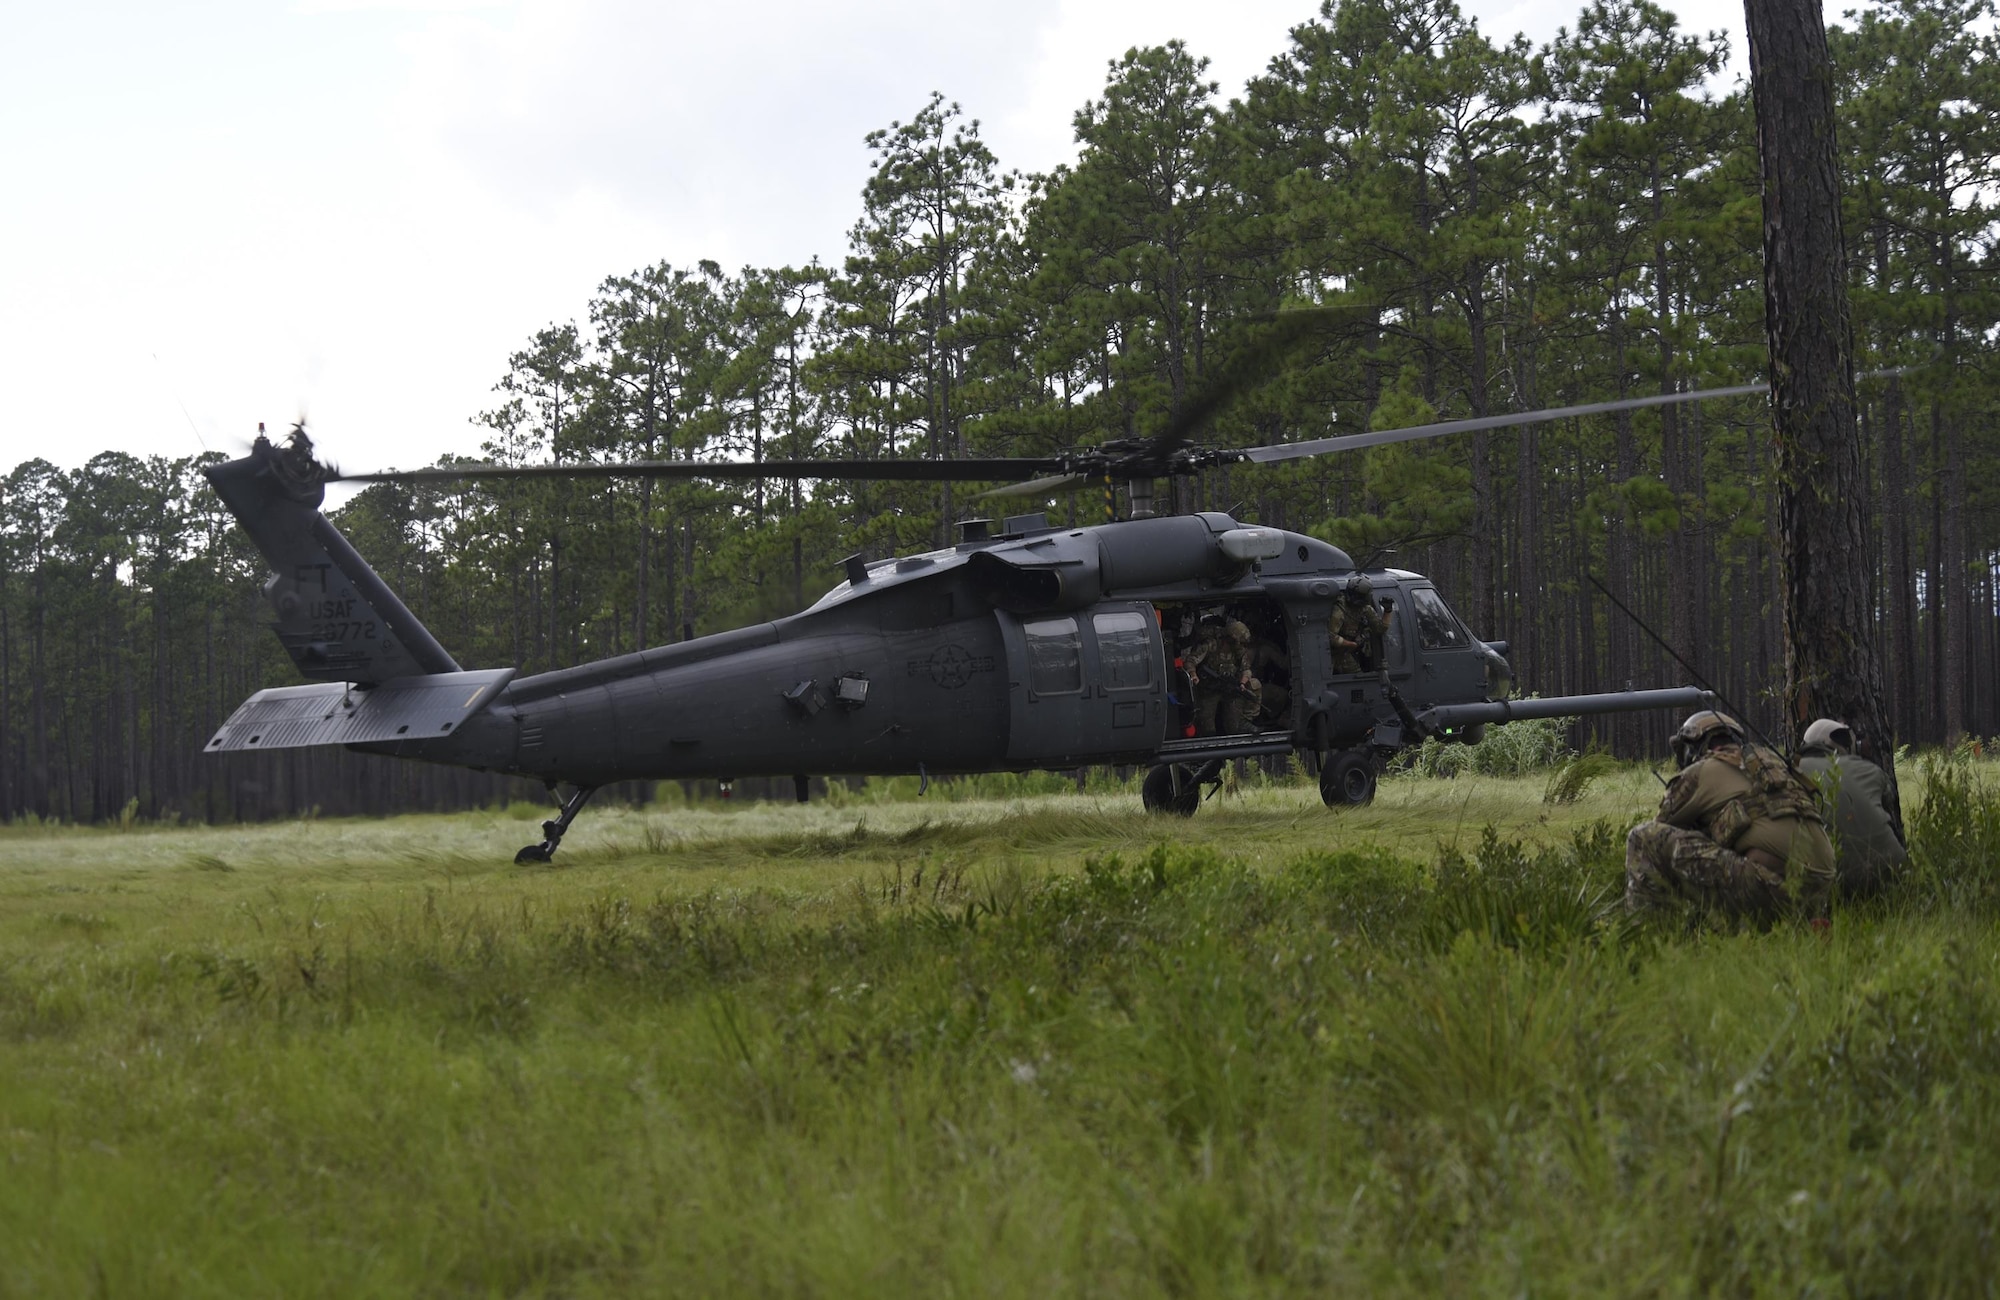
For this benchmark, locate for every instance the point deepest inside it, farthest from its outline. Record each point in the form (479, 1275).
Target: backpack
(1774, 793)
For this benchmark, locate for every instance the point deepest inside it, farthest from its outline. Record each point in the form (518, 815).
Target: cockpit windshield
(1437, 627)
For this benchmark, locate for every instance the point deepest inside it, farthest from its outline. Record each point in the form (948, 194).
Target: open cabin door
(1084, 687)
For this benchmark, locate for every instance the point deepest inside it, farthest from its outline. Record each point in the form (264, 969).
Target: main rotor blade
(1357, 441)
(1283, 332)
(1040, 487)
(986, 470)
(1382, 437)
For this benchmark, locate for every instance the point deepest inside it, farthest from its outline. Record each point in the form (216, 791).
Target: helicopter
(1024, 645)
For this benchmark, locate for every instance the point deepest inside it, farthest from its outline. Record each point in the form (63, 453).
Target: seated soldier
(1868, 844)
(1225, 694)
(1738, 833)
(1272, 669)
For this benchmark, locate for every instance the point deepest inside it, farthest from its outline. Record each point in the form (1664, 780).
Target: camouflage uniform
(1362, 624)
(1737, 833)
(1269, 661)
(1225, 695)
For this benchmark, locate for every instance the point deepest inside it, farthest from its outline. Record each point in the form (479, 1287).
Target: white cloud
(362, 206)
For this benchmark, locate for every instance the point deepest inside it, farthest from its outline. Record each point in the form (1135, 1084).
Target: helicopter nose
(1499, 673)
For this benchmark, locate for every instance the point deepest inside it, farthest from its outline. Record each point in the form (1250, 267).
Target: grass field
(1044, 1046)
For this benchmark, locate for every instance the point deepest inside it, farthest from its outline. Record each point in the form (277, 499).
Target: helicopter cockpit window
(1055, 656)
(1436, 628)
(1124, 650)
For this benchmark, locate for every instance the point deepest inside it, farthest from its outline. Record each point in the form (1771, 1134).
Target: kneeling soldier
(1870, 847)
(1738, 832)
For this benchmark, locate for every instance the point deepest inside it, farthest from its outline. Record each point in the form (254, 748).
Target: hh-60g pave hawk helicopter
(1024, 646)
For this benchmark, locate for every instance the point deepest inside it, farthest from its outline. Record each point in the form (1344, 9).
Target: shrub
(1535, 900)
(1954, 833)
(1572, 780)
(1514, 749)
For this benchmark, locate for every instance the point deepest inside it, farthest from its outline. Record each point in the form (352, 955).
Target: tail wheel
(1173, 788)
(1348, 781)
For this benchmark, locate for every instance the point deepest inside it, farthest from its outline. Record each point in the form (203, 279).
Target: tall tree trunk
(1831, 664)
(1621, 641)
(1954, 605)
(9, 798)
(1933, 602)
(1530, 536)
(1895, 503)
(641, 612)
(1485, 528)
(38, 706)
(1673, 455)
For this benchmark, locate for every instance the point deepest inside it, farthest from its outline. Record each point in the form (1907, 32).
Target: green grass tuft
(1572, 778)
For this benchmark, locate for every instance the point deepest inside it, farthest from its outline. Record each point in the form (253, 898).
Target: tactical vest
(1774, 793)
(1220, 657)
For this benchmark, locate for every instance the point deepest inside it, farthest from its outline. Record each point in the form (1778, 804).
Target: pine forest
(1517, 227)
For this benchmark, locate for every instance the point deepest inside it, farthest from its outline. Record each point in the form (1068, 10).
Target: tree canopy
(1512, 227)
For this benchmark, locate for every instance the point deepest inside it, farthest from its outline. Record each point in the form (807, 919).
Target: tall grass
(1954, 834)
(1275, 1054)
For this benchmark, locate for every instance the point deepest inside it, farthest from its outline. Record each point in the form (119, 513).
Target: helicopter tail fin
(335, 615)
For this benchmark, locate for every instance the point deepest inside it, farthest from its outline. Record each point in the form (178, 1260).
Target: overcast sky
(359, 208)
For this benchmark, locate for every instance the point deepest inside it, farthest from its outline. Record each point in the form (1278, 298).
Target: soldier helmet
(1702, 730)
(1357, 587)
(1827, 733)
(1238, 631)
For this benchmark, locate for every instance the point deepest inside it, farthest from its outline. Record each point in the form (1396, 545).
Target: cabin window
(1055, 656)
(1124, 649)
(1436, 628)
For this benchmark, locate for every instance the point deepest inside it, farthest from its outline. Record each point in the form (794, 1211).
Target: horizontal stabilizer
(334, 713)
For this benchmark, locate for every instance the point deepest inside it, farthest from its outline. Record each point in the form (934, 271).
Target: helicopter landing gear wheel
(1348, 781)
(1174, 788)
(552, 832)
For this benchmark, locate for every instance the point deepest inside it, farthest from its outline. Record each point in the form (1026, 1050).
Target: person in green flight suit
(1867, 845)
